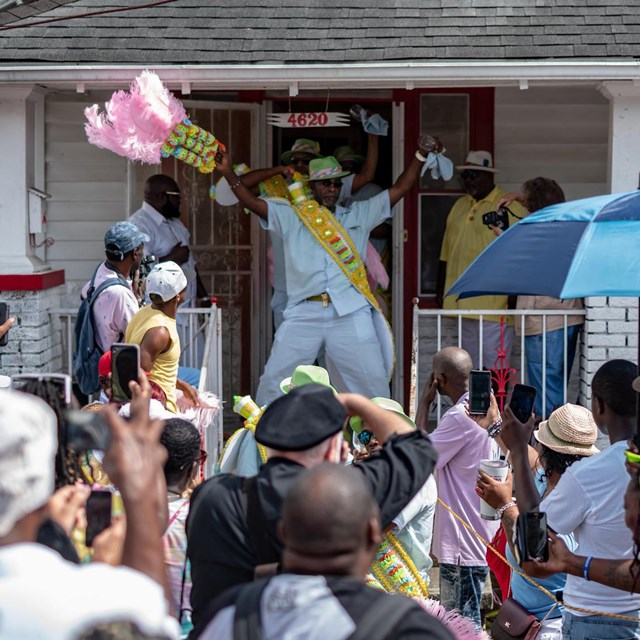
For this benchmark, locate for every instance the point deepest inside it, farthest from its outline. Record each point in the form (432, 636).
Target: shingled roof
(319, 31)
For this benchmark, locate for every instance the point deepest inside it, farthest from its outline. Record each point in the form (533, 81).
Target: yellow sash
(393, 570)
(329, 233)
(331, 236)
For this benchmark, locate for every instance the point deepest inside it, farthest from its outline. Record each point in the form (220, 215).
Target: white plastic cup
(497, 469)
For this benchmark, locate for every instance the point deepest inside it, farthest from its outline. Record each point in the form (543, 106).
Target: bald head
(158, 184)
(328, 512)
(454, 363)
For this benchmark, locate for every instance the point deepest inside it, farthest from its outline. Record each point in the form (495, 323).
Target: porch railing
(454, 319)
(200, 333)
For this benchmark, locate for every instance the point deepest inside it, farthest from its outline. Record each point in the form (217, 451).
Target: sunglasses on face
(469, 174)
(330, 183)
(304, 161)
(365, 438)
(172, 193)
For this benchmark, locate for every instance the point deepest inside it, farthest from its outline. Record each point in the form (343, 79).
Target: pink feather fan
(136, 123)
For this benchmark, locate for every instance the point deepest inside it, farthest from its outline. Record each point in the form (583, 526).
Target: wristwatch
(495, 429)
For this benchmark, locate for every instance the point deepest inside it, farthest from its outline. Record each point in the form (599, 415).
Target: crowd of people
(349, 502)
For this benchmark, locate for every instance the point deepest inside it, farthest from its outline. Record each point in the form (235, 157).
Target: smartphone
(522, 401)
(125, 363)
(86, 431)
(4, 316)
(532, 538)
(61, 381)
(98, 511)
(479, 392)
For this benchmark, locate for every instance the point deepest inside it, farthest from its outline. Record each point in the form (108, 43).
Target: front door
(228, 246)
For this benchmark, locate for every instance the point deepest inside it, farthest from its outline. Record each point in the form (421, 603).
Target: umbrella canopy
(586, 247)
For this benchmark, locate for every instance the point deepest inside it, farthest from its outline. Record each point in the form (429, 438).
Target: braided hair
(182, 441)
(67, 462)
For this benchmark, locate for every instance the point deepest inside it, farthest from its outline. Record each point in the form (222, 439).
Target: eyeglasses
(330, 183)
(172, 193)
(365, 437)
(469, 174)
(300, 160)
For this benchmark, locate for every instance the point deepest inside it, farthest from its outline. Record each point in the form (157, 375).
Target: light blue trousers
(350, 342)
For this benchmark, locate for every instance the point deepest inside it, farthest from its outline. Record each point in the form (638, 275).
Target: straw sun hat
(570, 429)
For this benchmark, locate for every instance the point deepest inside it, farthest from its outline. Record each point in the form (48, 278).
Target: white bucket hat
(166, 280)
(28, 440)
(478, 160)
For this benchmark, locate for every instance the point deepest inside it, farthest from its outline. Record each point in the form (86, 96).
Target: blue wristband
(585, 569)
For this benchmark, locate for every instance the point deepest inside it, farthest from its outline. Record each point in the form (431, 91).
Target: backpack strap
(381, 620)
(247, 623)
(257, 524)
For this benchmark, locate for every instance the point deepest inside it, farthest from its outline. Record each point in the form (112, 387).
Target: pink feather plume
(460, 627)
(376, 273)
(136, 123)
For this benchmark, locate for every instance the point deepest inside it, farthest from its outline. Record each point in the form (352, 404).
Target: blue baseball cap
(123, 237)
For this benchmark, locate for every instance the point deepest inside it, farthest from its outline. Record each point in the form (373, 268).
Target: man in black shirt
(331, 529)
(231, 527)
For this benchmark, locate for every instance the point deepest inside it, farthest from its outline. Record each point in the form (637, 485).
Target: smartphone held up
(532, 538)
(522, 401)
(98, 509)
(125, 365)
(479, 392)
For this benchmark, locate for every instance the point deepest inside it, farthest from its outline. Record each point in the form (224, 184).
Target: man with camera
(115, 305)
(468, 233)
(159, 218)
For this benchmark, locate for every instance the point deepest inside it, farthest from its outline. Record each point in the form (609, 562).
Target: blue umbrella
(586, 247)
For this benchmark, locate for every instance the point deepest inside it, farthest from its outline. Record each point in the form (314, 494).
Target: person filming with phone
(587, 501)
(461, 445)
(569, 435)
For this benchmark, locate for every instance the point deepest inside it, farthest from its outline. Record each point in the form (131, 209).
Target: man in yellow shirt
(464, 239)
(154, 329)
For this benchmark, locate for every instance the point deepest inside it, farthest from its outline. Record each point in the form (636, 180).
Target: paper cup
(497, 469)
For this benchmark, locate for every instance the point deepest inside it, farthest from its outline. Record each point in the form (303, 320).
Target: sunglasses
(365, 437)
(304, 161)
(469, 174)
(172, 193)
(330, 183)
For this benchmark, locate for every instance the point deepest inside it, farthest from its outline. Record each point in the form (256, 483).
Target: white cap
(166, 280)
(28, 439)
(480, 161)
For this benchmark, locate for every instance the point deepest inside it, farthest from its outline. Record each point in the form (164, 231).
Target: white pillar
(624, 134)
(20, 146)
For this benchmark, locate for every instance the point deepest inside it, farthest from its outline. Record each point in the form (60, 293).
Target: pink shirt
(461, 445)
(112, 309)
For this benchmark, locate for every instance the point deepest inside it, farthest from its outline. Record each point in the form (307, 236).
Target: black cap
(301, 419)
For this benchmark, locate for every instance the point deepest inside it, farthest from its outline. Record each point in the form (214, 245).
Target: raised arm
(254, 178)
(243, 193)
(368, 171)
(406, 180)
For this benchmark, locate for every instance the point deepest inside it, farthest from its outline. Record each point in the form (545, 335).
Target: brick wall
(611, 331)
(34, 345)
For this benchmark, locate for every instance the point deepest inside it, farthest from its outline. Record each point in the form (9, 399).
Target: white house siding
(558, 132)
(88, 191)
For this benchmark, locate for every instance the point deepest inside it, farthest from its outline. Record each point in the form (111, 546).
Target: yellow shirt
(464, 239)
(165, 369)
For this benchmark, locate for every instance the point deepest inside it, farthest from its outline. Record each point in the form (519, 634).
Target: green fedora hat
(347, 154)
(385, 403)
(302, 145)
(306, 374)
(325, 169)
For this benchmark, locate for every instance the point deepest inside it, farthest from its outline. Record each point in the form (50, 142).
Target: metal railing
(456, 316)
(200, 333)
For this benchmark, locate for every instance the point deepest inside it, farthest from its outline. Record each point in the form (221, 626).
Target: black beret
(301, 419)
